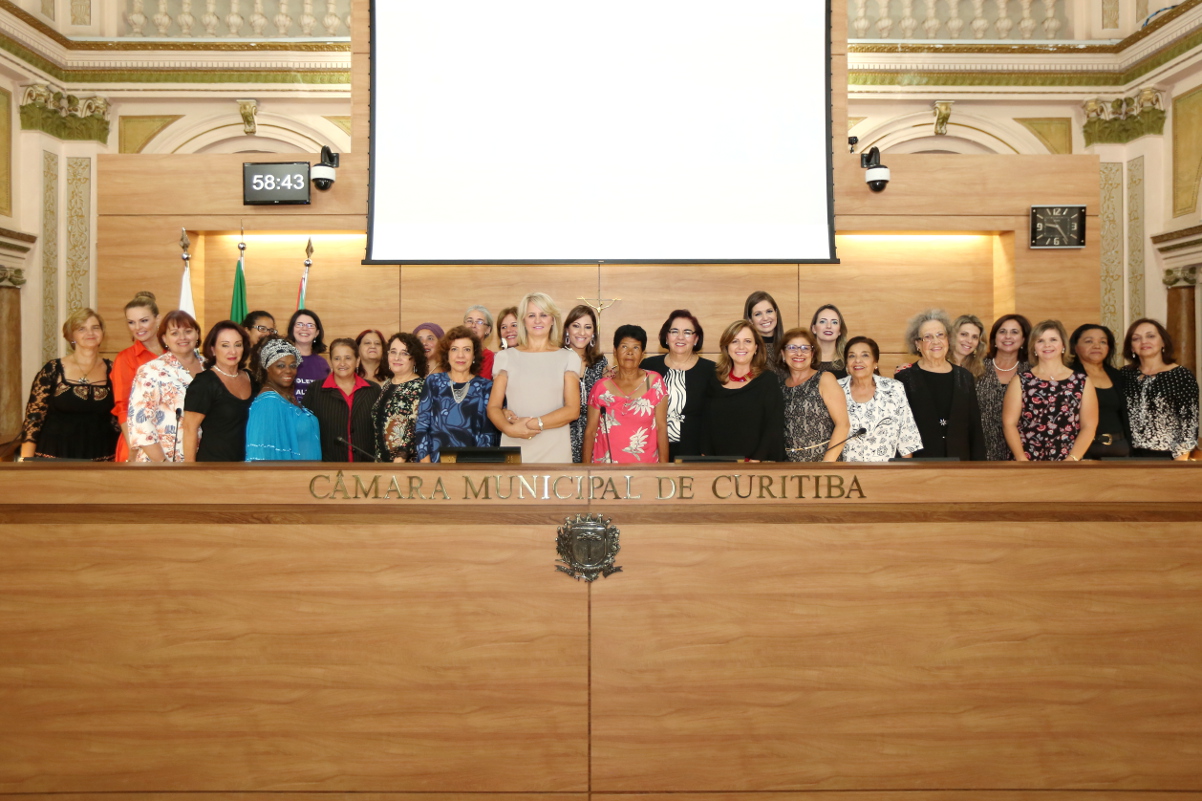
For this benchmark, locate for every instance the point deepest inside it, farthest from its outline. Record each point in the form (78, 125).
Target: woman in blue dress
(279, 428)
(453, 412)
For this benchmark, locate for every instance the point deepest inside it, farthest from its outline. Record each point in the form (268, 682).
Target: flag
(300, 294)
(185, 292)
(238, 307)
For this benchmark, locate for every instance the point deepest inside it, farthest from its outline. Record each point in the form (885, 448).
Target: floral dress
(395, 413)
(1051, 416)
(156, 406)
(627, 432)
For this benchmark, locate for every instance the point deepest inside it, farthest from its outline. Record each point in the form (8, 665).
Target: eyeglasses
(798, 348)
(306, 326)
(262, 329)
(688, 332)
(476, 323)
(929, 338)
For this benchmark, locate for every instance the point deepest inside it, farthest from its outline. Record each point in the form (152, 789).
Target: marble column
(11, 395)
(1182, 283)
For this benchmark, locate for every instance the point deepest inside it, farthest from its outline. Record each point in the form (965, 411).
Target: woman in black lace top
(1162, 396)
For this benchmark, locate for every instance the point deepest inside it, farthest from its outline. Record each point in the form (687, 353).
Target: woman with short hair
(372, 364)
(395, 412)
(218, 400)
(142, 317)
(156, 401)
(479, 319)
(830, 327)
(305, 331)
(454, 407)
(815, 411)
(70, 410)
(1162, 396)
(762, 311)
(278, 428)
(1007, 357)
(878, 406)
(580, 336)
(942, 395)
(1051, 411)
(540, 381)
(343, 405)
(744, 411)
(968, 345)
(627, 411)
(686, 375)
(1092, 348)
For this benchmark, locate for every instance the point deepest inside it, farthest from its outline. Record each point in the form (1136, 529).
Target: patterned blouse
(447, 421)
(590, 377)
(1051, 417)
(627, 433)
(395, 413)
(807, 420)
(156, 406)
(1163, 409)
(890, 425)
(991, 394)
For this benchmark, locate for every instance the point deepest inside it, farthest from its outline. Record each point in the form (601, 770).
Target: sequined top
(807, 420)
(991, 394)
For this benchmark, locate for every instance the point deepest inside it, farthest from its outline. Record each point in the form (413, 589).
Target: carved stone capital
(12, 276)
(68, 117)
(1119, 120)
(1182, 276)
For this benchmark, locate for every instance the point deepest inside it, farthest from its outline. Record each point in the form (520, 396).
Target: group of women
(813, 393)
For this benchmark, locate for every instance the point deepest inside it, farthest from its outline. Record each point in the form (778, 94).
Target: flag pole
(185, 290)
(239, 307)
(304, 284)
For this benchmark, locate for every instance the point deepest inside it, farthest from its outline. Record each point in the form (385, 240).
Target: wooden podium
(988, 631)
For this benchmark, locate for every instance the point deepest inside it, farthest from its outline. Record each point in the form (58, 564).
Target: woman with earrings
(343, 406)
(218, 400)
(831, 329)
(142, 317)
(305, 331)
(156, 401)
(968, 345)
(1051, 411)
(580, 336)
(70, 409)
(815, 413)
(540, 381)
(454, 405)
(687, 375)
(628, 411)
(1007, 357)
(395, 413)
(480, 321)
(280, 429)
(942, 395)
(744, 410)
(1162, 396)
(761, 311)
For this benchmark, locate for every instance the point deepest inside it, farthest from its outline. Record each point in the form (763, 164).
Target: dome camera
(876, 175)
(325, 173)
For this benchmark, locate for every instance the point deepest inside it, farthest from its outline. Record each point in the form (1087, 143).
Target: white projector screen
(519, 131)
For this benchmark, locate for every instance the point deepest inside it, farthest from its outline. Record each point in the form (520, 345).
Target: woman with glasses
(686, 375)
(304, 331)
(480, 321)
(815, 408)
(942, 395)
(259, 325)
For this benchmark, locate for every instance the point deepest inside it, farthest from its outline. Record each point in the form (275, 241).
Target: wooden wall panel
(899, 656)
(330, 657)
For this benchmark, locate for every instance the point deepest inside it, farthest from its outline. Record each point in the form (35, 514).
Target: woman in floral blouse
(156, 401)
(628, 413)
(395, 411)
(882, 425)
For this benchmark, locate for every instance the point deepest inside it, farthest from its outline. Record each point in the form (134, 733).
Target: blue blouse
(443, 423)
(278, 430)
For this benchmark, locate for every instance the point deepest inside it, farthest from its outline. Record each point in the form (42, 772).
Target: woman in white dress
(536, 386)
(878, 405)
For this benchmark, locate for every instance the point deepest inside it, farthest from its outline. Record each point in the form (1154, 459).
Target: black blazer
(336, 420)
(965, 438)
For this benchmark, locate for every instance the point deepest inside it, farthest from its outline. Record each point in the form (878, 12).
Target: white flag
(185, 292)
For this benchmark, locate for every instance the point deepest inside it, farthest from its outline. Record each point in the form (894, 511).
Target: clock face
(1057, 226)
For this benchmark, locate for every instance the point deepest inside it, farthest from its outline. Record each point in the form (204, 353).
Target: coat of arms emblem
(587, 546)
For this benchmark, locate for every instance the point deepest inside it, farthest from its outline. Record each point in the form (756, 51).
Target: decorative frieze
(63, 116)
(1124, 119)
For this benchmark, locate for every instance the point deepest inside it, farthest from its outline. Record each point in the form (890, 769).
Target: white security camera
(876, 175)
(325, 173)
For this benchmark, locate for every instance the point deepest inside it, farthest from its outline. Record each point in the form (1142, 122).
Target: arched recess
(966, 134)
(225, 134)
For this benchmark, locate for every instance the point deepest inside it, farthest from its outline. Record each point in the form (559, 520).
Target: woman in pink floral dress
(628, 412)
(156, 402)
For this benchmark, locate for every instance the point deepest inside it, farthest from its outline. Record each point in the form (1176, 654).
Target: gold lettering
(556, 487)
(801, 486)
(831, 486)
(438, 487)
(313, 490)
(610, 487)
(393, 486)
(339, 486)
(580, 488)
(659, 495)
(524, 485)
(766, 486)
(596, 483)
(739, 494)
(497, 484)
(715, 487)
(415, 488)
(686, 488)
(372, 490)
(546, 488)
(470, 487)
(630, 497)
(855, 487)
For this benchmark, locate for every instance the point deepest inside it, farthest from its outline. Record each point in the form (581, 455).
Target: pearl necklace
(1001, 369)
(224, 373)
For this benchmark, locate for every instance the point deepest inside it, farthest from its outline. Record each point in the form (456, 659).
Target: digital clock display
(284, 183)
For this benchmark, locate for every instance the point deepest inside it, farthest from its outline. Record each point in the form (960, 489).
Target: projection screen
(647, 131)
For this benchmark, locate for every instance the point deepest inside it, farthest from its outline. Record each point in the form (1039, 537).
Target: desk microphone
(609, 451)
(178, 434)
(354, 447)
(859, 432)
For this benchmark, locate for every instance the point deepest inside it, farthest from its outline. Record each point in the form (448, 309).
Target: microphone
(609, 453)
(355, 447)
(859, 432)
(175, 445)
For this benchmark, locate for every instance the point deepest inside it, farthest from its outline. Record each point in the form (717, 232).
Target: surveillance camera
(325, 173)
(877, 178)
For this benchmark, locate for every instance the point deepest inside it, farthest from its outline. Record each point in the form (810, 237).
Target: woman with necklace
(156, 401)
(877, 406)
(1051, 411)
(142, 317)
(1162, 396)
(580, 336)
(831, 329)
(218, 400)
(815, 411)
(628, 410)
(686, 376)
(1007, 357)
(70, 409)
(942, 395)
(540, 381)
(454, 405)
(761, 311)
(395, 412)
(279, 428)
(343, 405)
(744, 411)
(1092, 348)
(306, 333)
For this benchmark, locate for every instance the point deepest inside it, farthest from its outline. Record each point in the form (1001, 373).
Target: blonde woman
(540, 381)
(968, 344)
